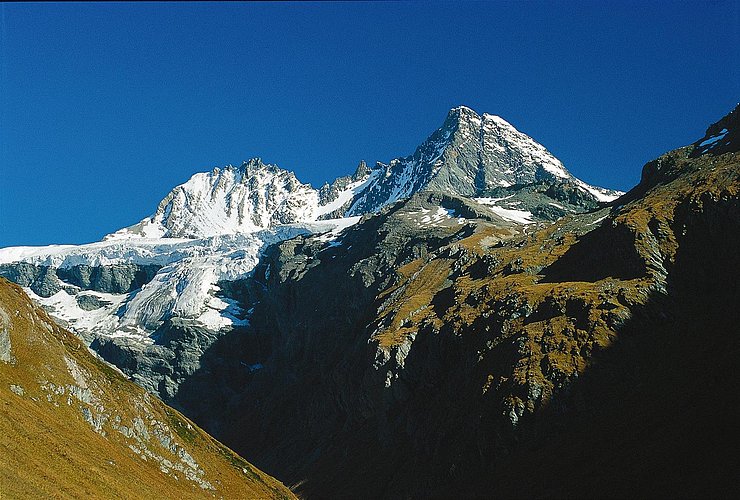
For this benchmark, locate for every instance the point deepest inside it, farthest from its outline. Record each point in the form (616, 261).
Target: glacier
(184, 286)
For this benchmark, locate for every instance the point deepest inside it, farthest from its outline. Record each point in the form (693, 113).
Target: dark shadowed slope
(591, 356)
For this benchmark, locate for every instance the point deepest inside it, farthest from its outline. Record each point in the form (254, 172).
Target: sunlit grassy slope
(72, 427)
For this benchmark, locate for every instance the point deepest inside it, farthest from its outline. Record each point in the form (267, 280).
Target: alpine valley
(467, 321)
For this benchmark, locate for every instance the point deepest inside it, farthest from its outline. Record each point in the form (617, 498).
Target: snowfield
(185, 286)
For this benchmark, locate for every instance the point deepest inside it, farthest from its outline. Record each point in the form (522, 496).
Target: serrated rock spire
(229, 200)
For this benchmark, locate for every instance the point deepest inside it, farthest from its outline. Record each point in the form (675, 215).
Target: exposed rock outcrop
(438, 355)
(46, 280)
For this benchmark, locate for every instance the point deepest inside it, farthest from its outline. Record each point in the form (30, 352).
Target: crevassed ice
(184, 286)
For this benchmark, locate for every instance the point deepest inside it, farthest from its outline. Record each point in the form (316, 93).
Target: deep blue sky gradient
(105, 107)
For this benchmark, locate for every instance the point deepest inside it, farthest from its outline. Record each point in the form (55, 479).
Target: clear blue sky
(105, 107)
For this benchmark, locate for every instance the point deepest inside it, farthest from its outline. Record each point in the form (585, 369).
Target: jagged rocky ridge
(71, 426)
(229, 200)
(470, 155)
(153, 296)
(456, 353)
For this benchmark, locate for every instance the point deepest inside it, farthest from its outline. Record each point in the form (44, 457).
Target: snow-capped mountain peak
(468, 155)
(215, 225)
(214, 228)
(229, 200)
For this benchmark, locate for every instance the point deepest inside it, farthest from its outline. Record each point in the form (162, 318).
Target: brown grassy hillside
(72, 427)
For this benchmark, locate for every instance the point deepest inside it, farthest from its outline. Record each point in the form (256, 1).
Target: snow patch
(597, 220)
(65, 307)
(602, 195)
(520, 216)
(492, 201)
(344, 197)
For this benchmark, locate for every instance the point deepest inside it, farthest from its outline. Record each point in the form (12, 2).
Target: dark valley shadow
(654, 414)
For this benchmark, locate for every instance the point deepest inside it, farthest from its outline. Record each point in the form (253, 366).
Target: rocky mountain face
(431, 326)
(721, 137)
(454, 352)
(119, 294)
(229, 200)
(154, 296)
(470, 155)
(72, 426)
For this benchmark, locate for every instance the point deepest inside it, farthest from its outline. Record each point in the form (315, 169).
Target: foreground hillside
(72, 427)
(452, 352)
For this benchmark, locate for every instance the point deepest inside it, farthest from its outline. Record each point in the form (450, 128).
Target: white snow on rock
(215, 226)
(504, 133)
(439, 216)
(344, 196)
(211, 228)
(601, 194)
(491, 201)
(229, 200)
(63, 306)
(185, 286)
(493, 152)
(159, 251)
(519, 216)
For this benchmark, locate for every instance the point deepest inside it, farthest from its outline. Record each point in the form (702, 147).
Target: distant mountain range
(456, 322)
(213, 229)
(469, 155)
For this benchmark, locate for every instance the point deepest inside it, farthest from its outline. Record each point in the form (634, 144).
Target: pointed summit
(461, 118)
(468, 155)
(462, 109)
(361, 172)
(462, 114)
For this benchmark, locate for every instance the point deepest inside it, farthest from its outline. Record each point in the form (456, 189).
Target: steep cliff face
(434, 348)
(71, 426)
